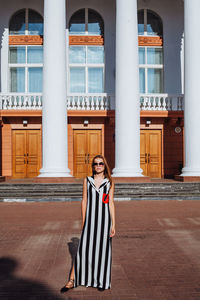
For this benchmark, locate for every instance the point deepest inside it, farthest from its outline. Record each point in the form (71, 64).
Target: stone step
(123, 191)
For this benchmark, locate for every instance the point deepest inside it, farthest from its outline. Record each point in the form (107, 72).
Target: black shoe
(64, 289)
(101, 289)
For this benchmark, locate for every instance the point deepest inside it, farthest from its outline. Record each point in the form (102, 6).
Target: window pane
(154, 24)
(154, 56)
(35, 55)
(77, 23)
(17, 55)
(155, 81)
(95, 23)
(77, 80)
(17, 23)
(77, 55)
(142, 56)
(95, 80)
(95, 55)
(35, 26)
(142, 80)
(17, 80)
(141, 22)
(35, 80)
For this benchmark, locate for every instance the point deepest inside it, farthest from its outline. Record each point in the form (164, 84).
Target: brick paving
(156, 251)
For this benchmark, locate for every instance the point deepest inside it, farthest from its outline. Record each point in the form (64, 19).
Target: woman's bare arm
(112, 208)
(84, 201)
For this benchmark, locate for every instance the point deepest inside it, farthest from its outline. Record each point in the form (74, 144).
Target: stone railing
(88, 102)
(21, 101)
(34, 101)
(153, 102)
(161, 102)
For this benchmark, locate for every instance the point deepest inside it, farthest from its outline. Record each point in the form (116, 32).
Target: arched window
(25, 52)
(26, 21)
(149, 23)
(86, 22)
(86, 52)
(150, 32)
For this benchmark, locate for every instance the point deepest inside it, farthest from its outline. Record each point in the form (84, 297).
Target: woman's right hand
(112, 233)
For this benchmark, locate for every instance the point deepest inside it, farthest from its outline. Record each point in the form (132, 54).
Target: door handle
(88, 158)
(145, 158)
(85, 158)
(148, 157)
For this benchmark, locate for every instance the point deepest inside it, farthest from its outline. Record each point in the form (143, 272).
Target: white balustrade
(88, 102)
(163, 102)
(21, 101)
(160, 102)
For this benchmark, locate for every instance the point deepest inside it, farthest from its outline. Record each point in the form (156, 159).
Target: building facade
(79, 78)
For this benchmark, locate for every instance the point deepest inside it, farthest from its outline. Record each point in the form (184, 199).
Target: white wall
(170, 11)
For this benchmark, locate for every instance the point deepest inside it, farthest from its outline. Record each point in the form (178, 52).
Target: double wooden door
(150, 152)
(26, 153)
(87, 144)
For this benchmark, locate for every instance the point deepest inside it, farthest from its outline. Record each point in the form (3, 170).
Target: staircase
(123, 191)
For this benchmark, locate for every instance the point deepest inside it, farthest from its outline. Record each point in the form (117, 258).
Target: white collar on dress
(104, 182)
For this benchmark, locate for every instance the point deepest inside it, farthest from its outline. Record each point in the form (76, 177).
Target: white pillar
(54, 111)
(192, 84)
(127, 107)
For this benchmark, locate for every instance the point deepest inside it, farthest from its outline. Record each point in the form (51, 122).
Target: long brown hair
(106, 169)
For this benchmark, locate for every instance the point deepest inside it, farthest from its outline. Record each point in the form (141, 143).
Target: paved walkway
(156, 251)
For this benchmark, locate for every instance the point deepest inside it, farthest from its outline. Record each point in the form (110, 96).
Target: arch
(26, 20)
(17, 24)
(86, 20)
(149, 23)
(94, 16)
(77, 22)
(35, 22)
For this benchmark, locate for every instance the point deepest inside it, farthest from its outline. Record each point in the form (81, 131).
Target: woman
(92, 263)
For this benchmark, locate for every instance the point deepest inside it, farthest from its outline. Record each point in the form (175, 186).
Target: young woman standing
(92, 263)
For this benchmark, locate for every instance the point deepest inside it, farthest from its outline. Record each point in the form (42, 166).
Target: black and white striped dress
(92, 263)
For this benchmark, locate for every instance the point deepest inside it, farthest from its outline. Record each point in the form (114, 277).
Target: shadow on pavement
(73, 247)
(13, 287)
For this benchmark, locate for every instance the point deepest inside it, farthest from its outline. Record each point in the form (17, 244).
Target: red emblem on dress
(105, 198)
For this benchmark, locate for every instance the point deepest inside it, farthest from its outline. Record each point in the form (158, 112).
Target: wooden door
(26, 153)
(143, 152)
(19, 153)
(150, 153)
(87, 144)
(94, 147)
(154, 158)
(33, 155)
(80, 153)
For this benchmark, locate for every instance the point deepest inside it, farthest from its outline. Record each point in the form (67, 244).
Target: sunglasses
(98, 164)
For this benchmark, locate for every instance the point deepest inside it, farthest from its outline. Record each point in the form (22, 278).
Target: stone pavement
(156, 251)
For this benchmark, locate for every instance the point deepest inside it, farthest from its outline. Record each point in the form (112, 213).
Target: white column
(127, 107)
(54, 113)
(192, 85)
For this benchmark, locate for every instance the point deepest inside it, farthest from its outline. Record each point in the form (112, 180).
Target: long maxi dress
(92, 262)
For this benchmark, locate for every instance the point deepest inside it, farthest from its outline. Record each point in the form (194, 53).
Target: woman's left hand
(112, 233)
